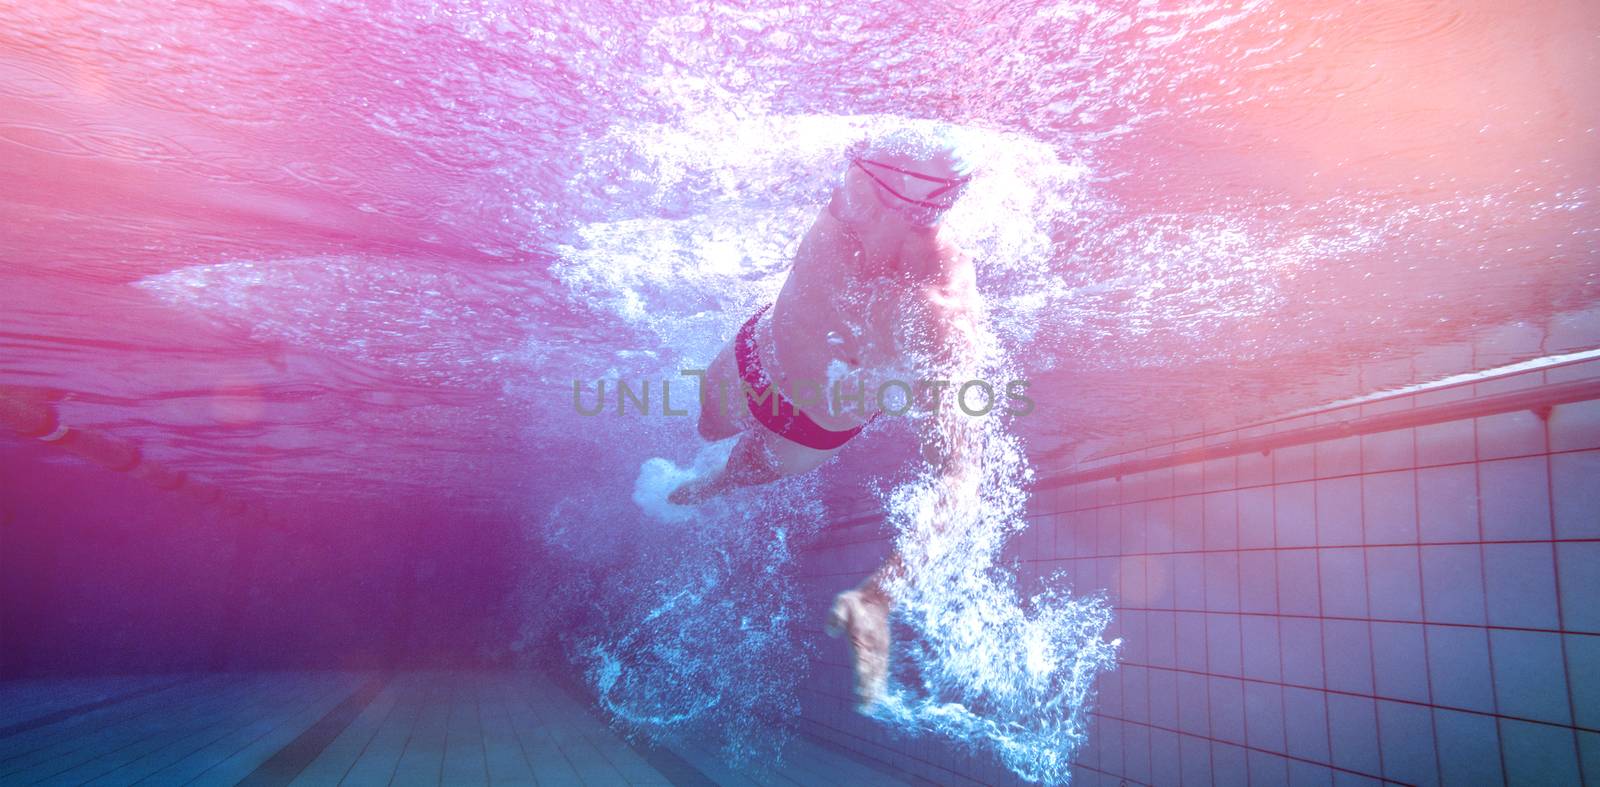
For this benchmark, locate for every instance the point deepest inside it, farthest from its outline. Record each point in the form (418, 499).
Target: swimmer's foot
(697, 490)
(864, 615)
(710, 475)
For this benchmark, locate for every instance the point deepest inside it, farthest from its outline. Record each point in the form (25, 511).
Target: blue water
(331, 256)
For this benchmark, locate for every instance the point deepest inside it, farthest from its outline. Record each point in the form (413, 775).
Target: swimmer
(878, 284)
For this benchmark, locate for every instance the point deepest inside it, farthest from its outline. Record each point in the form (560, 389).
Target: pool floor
(358, 728)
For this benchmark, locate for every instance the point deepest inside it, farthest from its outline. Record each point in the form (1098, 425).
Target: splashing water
(693, 637)
(988, 670)
(698, 640)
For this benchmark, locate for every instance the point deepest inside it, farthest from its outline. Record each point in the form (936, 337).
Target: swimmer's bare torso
(862, 307)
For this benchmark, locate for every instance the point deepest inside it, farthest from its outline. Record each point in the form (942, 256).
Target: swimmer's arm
(949, 437)
(950, 342)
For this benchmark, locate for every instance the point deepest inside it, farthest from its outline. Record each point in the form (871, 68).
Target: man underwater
(879, 291)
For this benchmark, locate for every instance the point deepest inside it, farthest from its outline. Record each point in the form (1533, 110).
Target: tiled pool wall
(1419, 605)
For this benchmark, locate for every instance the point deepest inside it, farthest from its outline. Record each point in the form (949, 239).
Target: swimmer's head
(912, 174)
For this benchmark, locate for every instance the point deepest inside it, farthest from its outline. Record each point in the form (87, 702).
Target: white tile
(1163, 698)
(1344, 582)
(1165, 761)
(1227, 709)
(1579, 567)
(1393, 450)
(1194, 713)
(1255, 518)
(1353, 726)
(1447, 503)
(1530, 675)
(1305, 722)
(1065, 533)
(1293, 463)
(1389, 507)
(1105, 570)
(1258, 581)
(1589, 754)
(1254, 469)
(1341, 456)
(1136, 693)
(1448, 443)
(1517, 433)
(1195, 756)
(1406, 739)
(1267, 769)
(1131, 581)
(1108, 531)
(1158, 483)
(1135, 630)
(1223, 642)
(1162, 630)
(1158, 523)
(1339, 511)
(1159, 581)
(1394, 583)
(1222, 581)
(1133, 488)
(1296, 514)
(1452, 583)
(1468, 746)
(1306, 774)
(1347, 655)
(1221, 515)
(1521, 586)
(1263, 713)
(1301, 641)
(1297, 582)
(1085, 534)
(1228, 764)
(1189, 580)
(1575, 426)
(1220, 473)
(1400, 661)
(1135, 753)
(1576, 481)
(1458, 665)
(1516, 499)
(1188, 525)
(1108, 693)
(1133, 528)
(1188, 479)
(1538, 753)
(1106, 492)
(1583, 669)
(1192, 645)
(1261, 657)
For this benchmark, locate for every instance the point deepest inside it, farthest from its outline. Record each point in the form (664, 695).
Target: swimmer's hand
(864, 616)
(658, 478)
(667, 491)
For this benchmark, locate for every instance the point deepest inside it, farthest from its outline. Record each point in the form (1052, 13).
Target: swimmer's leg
(749, 463)
(863, 614)
(759, 457)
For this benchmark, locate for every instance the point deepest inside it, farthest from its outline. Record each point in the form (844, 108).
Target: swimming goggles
(948, 185)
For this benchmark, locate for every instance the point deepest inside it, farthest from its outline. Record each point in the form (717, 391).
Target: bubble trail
(987, 670)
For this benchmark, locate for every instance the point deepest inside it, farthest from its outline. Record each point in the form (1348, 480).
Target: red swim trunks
(778, 413)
